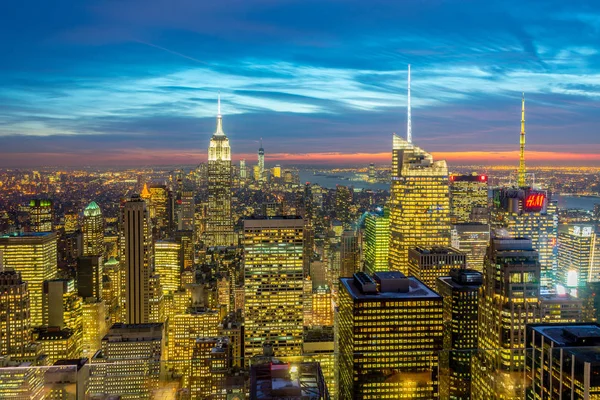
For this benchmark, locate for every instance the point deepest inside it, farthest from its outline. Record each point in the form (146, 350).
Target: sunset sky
(135, 82)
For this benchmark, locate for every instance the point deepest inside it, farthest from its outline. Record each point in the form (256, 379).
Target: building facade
(419, 203)
(390, 337)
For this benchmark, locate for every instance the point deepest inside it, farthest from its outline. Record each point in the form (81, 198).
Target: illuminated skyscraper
(273, 270)
(210, 363)
(93, 231)
(460, 293)
(376, 241)
(219, 223)
(137, 262)
(390, 336)
(129, 363)
(63, 310)
(243, 170)
(562, 361)
(160, 201)
(186, 211)
(349, 253)
(277, 171)
(509, 300)
(167, 264)
(34, 256)
(578, 258)
(58, 344)
(419, 203)
(41, 215)
(531, 214)
(15, 319)
(261, 162)
(184, 328)
(343, 200)
(429, 263)
(94, 326)
(473, 240)
(372, 173)
(469, 199)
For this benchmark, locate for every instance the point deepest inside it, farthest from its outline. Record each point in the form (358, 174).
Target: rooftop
(385, 285)
(279, 380)
(134, 332)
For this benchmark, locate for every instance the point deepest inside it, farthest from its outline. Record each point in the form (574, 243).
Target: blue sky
(136, 81)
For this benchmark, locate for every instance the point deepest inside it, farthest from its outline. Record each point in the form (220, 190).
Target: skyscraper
(419, 203)
(376, 242)
(473, 240)
(343, 200)
(390, 336)
(129, 363)
(531, 214)
(34, 256)
(219, 223)
(261, 162)
(15, 318)
(186, 211)
(137, 263)
(93, 231)
(243, 170)
(469, 199)
(349, 253)
(460, 293)
(429, 263)
(273, 270)
(90, 271)
(578, 258)
(167, 263)
(41, 215)
(562, 362)
(509, 300)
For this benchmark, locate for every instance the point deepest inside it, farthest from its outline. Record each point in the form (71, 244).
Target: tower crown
(219, 131)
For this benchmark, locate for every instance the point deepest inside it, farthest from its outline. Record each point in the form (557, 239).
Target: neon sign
(534, 202)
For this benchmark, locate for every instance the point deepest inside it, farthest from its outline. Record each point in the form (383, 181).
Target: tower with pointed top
(219, 223)
(521, 180)
(261, 161)
(408, 116)
(419, 200)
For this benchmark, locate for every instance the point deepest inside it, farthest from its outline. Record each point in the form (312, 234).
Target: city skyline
(321, 84)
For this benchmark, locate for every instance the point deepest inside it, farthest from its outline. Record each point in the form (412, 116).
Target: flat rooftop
(570, 335)
(417, 290)
(134, 332)
(275, 222)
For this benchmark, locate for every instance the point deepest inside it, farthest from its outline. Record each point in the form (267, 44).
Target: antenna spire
(219, 104)
(521, 180)
(219, 131)
(408, 121)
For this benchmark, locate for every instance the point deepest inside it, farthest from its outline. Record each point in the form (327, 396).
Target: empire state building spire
(219, 131)
(521, 179)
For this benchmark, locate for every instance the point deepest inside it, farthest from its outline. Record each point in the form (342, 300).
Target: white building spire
(408, 121)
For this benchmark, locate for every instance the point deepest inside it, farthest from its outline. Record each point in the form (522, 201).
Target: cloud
(310, 77)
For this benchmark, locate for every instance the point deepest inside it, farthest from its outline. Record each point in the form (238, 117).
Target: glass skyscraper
(419, 203)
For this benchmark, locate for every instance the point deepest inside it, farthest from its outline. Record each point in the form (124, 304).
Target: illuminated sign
(534, 202)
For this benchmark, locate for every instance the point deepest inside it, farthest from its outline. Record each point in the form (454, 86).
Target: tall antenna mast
(408, 122)
(521, 181)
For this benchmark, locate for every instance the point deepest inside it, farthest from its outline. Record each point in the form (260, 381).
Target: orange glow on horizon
(186, 157)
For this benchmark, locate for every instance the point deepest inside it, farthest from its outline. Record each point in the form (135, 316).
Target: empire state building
(219, 224)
